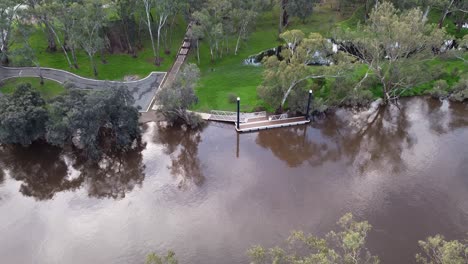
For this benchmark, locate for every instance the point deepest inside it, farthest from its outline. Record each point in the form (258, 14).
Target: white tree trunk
(162, 22)
(148, 10)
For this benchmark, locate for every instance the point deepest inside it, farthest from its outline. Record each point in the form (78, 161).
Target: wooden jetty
(251, 122)
(270, 122)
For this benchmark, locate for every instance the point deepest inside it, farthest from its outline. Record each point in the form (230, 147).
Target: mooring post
(308, 104)
(238, 113)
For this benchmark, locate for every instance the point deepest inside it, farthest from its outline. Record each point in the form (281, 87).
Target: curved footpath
(142, 90)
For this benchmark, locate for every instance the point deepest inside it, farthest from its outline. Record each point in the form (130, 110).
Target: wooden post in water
(308, 104)
(238, 113)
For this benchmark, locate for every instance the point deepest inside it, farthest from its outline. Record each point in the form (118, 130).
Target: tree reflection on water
(45, 171)
(378, 142)
(182, 147)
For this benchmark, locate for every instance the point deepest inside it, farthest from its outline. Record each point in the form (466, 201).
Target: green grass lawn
(48, 90)
(229, 75)
(117, 66)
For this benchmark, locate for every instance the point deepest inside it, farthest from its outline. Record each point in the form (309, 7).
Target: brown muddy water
(209, 196)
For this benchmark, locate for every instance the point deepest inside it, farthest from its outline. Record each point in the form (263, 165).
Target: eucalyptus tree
(68, 16)
(301, 8)
(8, 12)
(25, 55)
(392, 45)
(164, 8)
(148, 5)
(89, 31)
(38, 9)
(176, 7)
(243, 17)
(126, 11)
(283, 77)
(211, 21)
(451, 6)
(196, 34)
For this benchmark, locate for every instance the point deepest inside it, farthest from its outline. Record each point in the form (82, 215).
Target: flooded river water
(211, 195)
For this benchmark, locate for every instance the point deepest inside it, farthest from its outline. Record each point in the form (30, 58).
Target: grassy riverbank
(229, 77)
(48, 90)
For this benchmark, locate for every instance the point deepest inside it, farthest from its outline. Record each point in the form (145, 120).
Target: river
(211, 195)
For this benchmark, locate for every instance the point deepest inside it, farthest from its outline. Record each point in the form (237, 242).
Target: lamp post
(238, 113)
(308, 104)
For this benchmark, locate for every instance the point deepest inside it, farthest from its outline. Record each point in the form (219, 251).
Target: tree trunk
(162, 21)
(283, 16)
(158, 56)
(198, 51)
(426, 13)
(63, 48)
(460, 21)
(4, 60)
(51, 45)
(446, 11)
(75, 61)
(237, 43)
(93, 64)
(149, 29)
(103, 58)
(171, 32)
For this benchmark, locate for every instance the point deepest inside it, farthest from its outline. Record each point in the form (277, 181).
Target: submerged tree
(176, 99)
(346, 246)
(154, 258)
(94, 121)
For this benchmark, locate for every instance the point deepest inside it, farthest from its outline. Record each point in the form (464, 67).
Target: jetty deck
(255, 125)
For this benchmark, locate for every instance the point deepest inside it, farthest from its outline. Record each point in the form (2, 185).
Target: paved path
(142, 90)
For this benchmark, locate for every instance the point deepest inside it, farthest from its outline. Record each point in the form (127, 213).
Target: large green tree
(393, 44)
(284, 76)
(22, 116)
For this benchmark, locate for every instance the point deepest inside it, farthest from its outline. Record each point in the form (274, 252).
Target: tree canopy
(91, 121)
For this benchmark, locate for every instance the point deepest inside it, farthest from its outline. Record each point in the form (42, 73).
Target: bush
(460, 91)
(440, 89)
(232, 98)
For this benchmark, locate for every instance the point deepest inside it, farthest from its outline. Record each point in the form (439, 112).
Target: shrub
(460, 91)
(440, 89)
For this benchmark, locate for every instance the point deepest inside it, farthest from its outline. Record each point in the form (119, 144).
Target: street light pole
(308, 104)
(238, 113)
